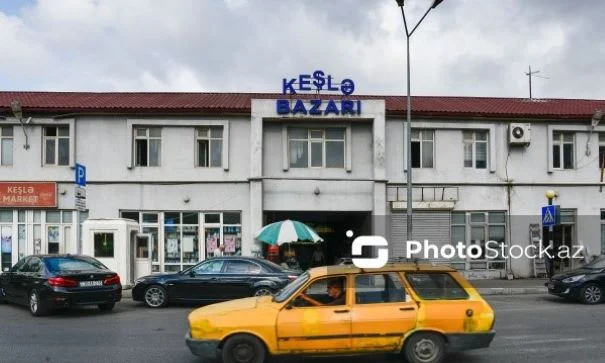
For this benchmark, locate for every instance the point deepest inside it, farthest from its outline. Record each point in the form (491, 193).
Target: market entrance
(331, 226)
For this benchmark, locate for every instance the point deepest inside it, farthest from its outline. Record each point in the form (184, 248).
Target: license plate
(91, 283)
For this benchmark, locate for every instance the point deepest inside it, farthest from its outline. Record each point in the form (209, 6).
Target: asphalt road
(530, 328)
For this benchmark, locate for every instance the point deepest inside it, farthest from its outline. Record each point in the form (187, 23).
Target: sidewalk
(510, 287)
(484, 287)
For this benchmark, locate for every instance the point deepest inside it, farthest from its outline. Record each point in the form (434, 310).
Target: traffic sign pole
(80, 200)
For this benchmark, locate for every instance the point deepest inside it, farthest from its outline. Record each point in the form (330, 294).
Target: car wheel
(424, 348)
(591, 294)
(36, 307)
(156, 296)
(243, 348)
(107, 307)
(262, 291)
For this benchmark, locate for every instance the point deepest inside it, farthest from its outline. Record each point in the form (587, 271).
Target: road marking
(525, 340)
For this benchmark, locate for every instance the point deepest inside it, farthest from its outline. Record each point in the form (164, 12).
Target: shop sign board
(317, 82)
(28, 195)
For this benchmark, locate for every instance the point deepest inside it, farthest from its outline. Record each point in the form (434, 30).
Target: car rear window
(436, 286)
(65, 264)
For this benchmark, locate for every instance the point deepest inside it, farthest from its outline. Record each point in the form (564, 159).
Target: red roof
(57, 103)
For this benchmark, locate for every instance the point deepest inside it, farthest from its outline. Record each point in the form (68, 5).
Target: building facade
(201, 170)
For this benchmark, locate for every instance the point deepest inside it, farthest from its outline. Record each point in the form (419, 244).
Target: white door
(142, 255)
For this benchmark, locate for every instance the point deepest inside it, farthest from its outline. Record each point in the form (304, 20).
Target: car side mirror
(191, 273)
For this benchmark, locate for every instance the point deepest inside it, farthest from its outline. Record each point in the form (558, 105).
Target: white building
(200, 169)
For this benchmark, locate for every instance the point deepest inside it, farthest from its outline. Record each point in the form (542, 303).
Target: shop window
(6, 216)
(56, 145)
(479, 228)
(6, 246)
(436, 286)
(316, 148)
(6, 145)
(130, 215)
(209, 147)
(422, 148)
(104, 244)
(148, 144)
(563, 150)
(475, 149)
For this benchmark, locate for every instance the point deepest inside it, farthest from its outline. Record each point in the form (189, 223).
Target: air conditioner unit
(519, 134)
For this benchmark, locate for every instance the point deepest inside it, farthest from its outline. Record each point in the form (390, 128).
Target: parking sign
(80, 175)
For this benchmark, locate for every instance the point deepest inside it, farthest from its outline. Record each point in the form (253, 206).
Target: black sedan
(586, 284)
(47, 282)
(214, 280)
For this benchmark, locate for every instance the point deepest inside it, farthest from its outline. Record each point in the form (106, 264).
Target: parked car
(419, 311)
(586, 284)
(48, 282)
(213, 280)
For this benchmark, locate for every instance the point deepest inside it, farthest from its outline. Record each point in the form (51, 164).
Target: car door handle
(406, 309)
(341, 311)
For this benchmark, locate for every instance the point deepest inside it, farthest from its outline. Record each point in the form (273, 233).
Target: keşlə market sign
(22, 194)
(318, 81)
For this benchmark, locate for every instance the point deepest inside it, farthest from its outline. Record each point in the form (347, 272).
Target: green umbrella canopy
(287, 231)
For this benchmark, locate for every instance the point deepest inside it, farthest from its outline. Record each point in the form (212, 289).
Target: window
(316, 148)
(148, 143)
(436, 286)
(422, 148)
(64, 264)
(209, 147)
(209, 267)
(6, 147)
(325, 291)
(479, 228)
(562, 150)
(602, 150)
(56, 145)
(378, 288)
(103, 244)
(58, 230)
(475, 149)
(242, 267)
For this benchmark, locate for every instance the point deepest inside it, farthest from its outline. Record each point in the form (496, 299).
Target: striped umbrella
(287, 231)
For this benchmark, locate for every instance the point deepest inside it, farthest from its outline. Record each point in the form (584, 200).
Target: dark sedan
(214, 280)
(586, 284)
(47, 282)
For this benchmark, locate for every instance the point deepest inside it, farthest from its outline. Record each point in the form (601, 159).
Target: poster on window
(53, 234)
(229, 240)
(7, 240)
(211, 241)
(172, 246)
(188, 244)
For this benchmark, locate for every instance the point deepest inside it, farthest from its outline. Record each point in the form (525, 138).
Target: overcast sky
(462, 48)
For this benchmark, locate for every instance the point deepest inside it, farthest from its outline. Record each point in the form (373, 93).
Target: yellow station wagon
(420, 311)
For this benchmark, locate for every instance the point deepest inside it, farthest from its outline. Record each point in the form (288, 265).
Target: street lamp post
(409, 114)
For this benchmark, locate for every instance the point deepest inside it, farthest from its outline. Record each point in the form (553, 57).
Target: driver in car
(335, 292)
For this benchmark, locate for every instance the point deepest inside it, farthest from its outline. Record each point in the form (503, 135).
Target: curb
(511, 290)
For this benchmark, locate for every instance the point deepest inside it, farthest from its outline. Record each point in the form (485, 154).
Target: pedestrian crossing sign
(550, 215)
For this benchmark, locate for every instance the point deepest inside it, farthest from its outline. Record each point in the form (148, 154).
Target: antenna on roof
(532, 74)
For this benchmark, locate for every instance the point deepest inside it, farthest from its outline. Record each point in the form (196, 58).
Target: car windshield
(291, 288)
(597, 264)
(71, 264)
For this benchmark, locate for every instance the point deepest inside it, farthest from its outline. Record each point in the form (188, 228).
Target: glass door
(6, 247)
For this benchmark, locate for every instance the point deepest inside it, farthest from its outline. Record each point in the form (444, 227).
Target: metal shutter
(433, 226)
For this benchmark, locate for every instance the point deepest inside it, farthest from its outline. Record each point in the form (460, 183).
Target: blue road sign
(550, 215)
(80, 175)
